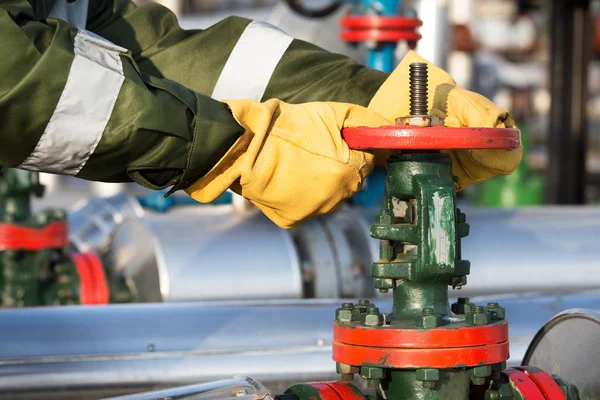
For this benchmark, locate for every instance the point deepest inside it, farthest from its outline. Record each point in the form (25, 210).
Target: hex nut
(421, 121)
(343, 315)
(497, 313)
(384, 218)
(428, 374)
(346, 369)
(428, 321)
(372, 372)
(460, 305)
(372, 318)
(480, 371)
(477, 317)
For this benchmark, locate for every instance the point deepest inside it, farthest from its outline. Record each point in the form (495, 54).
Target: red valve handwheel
(406, 137)
(380, 29)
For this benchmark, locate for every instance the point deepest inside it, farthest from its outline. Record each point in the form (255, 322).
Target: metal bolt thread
(428, 311)
(479, 309)
(418, 89)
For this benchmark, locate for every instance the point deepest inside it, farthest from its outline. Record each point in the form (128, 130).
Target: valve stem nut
(429, 377)
(428, 319)
(498, 313)
(477, 316)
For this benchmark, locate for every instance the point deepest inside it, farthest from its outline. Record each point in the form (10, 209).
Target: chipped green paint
(442, 224)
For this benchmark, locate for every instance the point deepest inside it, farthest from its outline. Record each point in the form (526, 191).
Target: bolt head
(477, 318)
(497, 313)
(372, 319)
(343, 315)
(428, 321)
(342, 368)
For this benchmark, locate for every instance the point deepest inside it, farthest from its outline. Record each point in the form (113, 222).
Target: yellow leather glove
(291, 162)
(460, 108)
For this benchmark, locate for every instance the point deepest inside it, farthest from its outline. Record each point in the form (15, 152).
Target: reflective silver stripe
(252, 62)
(74, 13)
(83, 110)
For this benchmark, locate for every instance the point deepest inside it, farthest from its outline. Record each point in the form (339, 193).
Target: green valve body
(45, 276)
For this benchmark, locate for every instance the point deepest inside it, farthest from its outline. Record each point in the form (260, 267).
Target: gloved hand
(292, 162)
(460, 108)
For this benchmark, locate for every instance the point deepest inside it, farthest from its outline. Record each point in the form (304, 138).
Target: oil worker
(107, 91)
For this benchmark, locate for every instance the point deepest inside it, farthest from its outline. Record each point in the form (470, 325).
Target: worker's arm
(234, 59)
(72, 103)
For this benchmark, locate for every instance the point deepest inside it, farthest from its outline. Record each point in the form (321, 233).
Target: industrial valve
(36, 267)
(423, 348)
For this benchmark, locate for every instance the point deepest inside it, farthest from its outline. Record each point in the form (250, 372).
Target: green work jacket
(107, 91)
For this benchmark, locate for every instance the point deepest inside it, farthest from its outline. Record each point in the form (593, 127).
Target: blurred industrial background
(534, 241)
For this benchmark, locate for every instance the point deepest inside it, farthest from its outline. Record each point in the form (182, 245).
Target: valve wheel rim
(380, 22)
(404, 137)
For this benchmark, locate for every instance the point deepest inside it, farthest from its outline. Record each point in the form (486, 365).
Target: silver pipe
(216, 253)
(240, 388)
(92, 352)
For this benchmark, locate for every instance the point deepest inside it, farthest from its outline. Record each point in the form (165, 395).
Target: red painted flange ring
(524, 385)
(420, 358)
(392, 337)
(52, 236)
(405, 137)
(380, 36)
(93, 287)
(544, 382)
(337, 390)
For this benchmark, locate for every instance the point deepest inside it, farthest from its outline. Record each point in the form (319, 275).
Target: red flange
(544, 382)
(419, 358)
(337, 391)
(392, 337)
(52, 236)
(380, 29)
(405, 137)
(526, 387)
(93, 287)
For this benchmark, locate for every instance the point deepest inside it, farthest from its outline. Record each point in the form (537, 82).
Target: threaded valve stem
(418, 89)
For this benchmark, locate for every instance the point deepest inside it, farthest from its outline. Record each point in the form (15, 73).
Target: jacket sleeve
(74, 103)
(234, 59)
